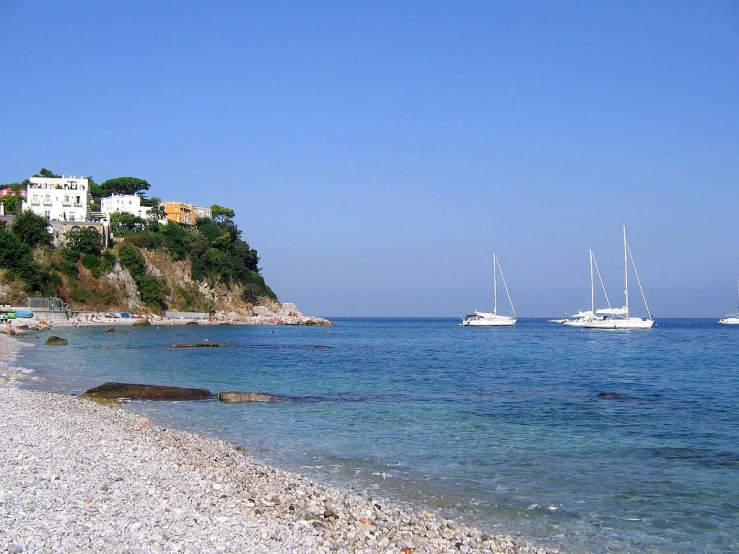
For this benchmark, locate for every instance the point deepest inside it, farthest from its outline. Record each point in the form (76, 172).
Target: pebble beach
(77, 476)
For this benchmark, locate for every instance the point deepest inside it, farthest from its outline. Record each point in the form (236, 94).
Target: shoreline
(154, 321)
(80, 476)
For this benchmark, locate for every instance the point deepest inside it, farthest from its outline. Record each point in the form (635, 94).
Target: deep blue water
(502, 428)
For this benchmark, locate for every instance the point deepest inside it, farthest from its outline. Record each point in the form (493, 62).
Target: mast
(505, 286)
(626, 276)
(592, 289)
(495, 284)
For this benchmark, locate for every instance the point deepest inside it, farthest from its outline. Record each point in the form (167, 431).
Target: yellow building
(179, 212)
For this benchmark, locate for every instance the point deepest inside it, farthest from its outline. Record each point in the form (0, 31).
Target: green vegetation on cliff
(212, 250)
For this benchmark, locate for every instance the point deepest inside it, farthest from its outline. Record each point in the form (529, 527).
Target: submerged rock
(56, 341)
(196, 345)
(235, 397)
(146, 392)
(609, 394)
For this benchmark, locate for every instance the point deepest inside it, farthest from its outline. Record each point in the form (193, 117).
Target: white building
(130, 203)
(202, 212)
(58, 198)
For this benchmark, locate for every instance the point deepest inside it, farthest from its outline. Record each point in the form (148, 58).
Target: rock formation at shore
(134, 391)
(235, 397)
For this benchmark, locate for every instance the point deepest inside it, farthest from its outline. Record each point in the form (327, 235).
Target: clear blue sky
(376, 153)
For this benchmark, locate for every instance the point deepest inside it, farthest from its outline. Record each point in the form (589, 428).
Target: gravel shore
(76, 476)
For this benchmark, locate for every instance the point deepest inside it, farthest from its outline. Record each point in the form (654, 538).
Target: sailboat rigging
(620, 318)
(493, 319)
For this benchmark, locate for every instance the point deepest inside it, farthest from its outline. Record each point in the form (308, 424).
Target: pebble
(82, 477)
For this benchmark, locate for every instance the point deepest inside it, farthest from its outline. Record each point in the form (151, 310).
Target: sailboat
(492, 319)
(732, 319)
(620, 318)
(582, 317)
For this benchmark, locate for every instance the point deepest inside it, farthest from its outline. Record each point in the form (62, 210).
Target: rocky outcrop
(112, 391)
(286, 314)
(56, 341)
(235, 397)
(122, 280)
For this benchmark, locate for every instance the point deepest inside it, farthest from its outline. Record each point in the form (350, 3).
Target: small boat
(23, 313)
(619, 318)
(731, 319)
(492, 319)
(580, 318)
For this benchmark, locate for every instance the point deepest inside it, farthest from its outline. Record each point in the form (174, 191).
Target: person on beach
(9, 328)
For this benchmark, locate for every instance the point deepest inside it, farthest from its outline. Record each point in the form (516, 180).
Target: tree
(17, 257)
(96, 191)
(125, 185)
(157, 212)
(32, 229)
(14, 253)
(12, 204)
(43, 172)
(126, 222)
(133, 260)
(85, 241)
(221, 214)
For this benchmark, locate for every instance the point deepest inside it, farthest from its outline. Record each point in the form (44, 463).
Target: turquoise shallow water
(503, 428)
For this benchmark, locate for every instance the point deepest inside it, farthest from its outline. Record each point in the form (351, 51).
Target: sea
(581, 440)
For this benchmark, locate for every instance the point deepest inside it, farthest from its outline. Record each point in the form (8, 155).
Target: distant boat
(492, 319)
(579, 319)
(620, 318)
(732, 319)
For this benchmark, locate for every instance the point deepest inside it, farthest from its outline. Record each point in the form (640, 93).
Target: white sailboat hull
(630, 323)
(732, 320)
(574, 323)
(486, 319)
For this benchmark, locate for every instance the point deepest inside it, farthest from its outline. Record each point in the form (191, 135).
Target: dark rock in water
(192, 323)
(615, 395)
(321, 347)
(23, 327)
(235, 397)
(56, 341)
(141, 323)
(196, 345)
(133, 391)
(111, 331)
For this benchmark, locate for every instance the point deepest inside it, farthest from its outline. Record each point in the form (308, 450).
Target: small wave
(21, 369)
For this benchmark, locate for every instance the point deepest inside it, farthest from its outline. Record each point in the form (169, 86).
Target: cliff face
(117, 291)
